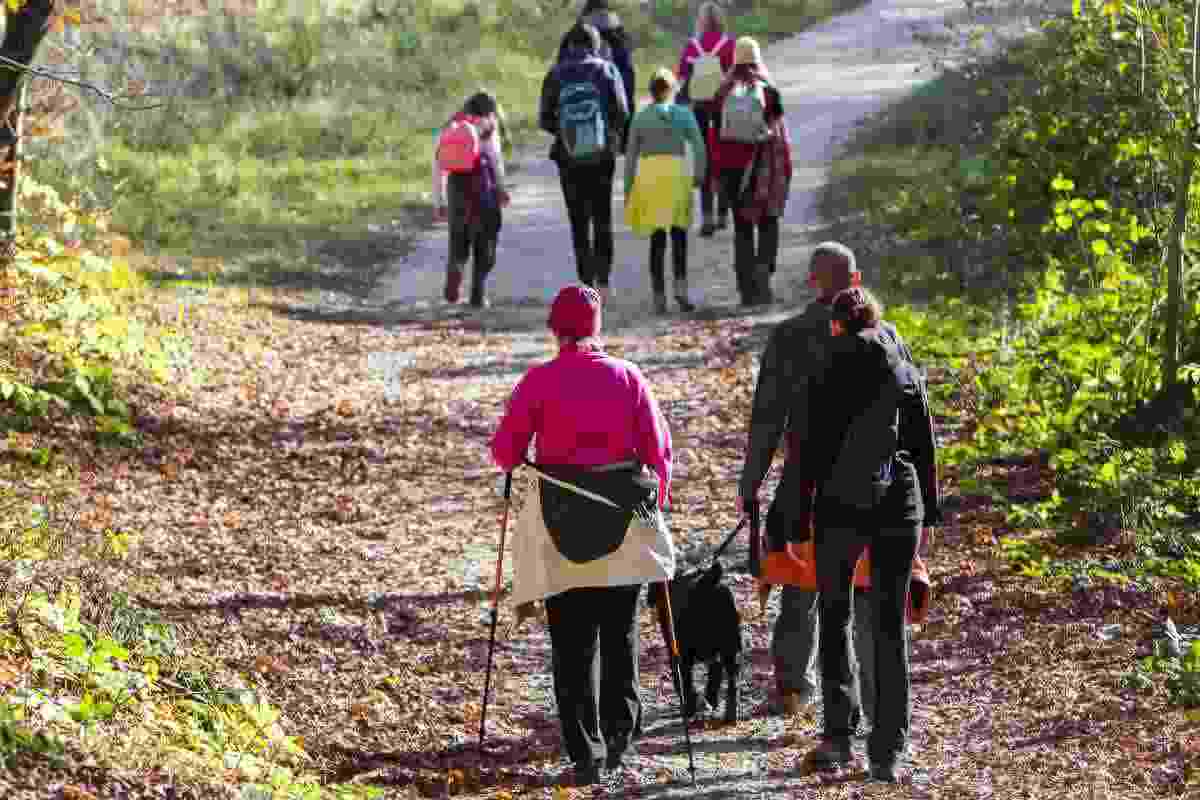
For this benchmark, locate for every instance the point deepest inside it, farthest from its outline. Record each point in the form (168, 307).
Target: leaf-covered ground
(331, 538)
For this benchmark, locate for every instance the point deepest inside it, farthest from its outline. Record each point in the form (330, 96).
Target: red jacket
(738, 155)
(692, 50)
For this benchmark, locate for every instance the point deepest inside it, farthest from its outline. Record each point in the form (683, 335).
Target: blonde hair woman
(664, 159)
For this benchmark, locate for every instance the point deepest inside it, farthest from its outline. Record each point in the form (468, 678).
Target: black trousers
(478, 240)
(658, 252)
(594, 639)
(588, 191)
(838, 547)
(705, 119)
(753, 260)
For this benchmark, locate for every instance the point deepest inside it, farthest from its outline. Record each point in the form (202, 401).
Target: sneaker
(453, 284)
(830, 754)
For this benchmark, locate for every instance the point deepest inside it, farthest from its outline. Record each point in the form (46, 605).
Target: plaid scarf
(769, 177)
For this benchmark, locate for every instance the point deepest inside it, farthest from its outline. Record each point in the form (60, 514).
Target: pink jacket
(708, 40)
(587, 409)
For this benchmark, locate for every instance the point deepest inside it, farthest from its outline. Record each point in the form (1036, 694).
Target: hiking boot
(681, 292)
(586, 774)
(454, 277)
(886, 771)
(618, 748)
(660, 303)
(830, 754)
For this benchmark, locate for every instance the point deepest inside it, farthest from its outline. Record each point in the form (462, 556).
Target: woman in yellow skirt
(664, 163)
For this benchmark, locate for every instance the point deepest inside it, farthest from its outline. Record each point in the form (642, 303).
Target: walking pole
(487, 678)
(666, 621)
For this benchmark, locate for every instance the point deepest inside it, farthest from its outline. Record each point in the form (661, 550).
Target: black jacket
(583, 64)
(617, 49)
(871, 436)
(788, 400)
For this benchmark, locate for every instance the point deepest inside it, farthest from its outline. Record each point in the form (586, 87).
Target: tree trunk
(23, 34)
(1175, 265)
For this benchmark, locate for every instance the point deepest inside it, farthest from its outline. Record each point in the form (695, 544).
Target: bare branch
(105, 95)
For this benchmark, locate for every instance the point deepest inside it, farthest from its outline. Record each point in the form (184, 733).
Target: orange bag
(775, 567)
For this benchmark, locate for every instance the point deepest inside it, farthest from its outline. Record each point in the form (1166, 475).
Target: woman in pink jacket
(589, 413)
(710, 40)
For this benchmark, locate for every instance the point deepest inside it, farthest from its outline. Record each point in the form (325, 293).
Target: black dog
(708, 629)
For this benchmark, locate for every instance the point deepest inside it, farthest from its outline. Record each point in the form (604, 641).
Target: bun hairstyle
(855, 308)
(662, 84)
(710, 17)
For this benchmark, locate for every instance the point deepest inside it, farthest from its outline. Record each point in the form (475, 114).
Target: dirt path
(831, 77)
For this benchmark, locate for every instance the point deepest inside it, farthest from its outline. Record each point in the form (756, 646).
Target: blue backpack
(582, 122)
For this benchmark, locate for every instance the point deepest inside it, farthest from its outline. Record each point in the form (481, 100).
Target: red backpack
(459, 145)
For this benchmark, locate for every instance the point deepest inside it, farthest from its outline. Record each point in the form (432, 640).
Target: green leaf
(1099, 247)
(1064, 222)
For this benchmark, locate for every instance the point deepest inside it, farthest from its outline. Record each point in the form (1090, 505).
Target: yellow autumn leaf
(120, 246)
(15, 5)
(72, 16)
(37, 129)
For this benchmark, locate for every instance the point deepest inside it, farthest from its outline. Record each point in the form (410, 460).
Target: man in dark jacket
(615, 45)
(587, 185)
(795, 350)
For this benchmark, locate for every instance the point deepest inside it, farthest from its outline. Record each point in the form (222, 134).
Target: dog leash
(729, 539)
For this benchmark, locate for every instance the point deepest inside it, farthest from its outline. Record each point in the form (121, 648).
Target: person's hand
(440, 214)
(792, 549)
(505, 198)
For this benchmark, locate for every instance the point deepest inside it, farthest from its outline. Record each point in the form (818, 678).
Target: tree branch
(107, 96)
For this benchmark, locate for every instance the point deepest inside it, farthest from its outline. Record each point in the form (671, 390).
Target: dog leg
(716, 674)
(688, 667)
(733, 666)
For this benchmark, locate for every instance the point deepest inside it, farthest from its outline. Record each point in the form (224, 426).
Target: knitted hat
(746, 51)
(575, 312)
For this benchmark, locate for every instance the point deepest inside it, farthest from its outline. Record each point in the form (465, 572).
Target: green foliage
(1182, 675)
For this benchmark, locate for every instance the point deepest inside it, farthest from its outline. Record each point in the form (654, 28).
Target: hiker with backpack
(469, 192)
(872, 454)
(706, 59)
(752, 166)
(585, 107)
(614, 46)
(664, 161)
(599, 431)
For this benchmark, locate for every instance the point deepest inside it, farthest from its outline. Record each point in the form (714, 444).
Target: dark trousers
(753, 261)
(594, 639)
(588, 191)
(658, 252)
(705, 119)
(478, 240)
(838, 547)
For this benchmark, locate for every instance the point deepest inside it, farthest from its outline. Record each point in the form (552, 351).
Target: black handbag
(587, 512)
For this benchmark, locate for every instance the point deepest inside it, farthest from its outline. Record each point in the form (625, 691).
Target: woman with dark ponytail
(872, 440)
